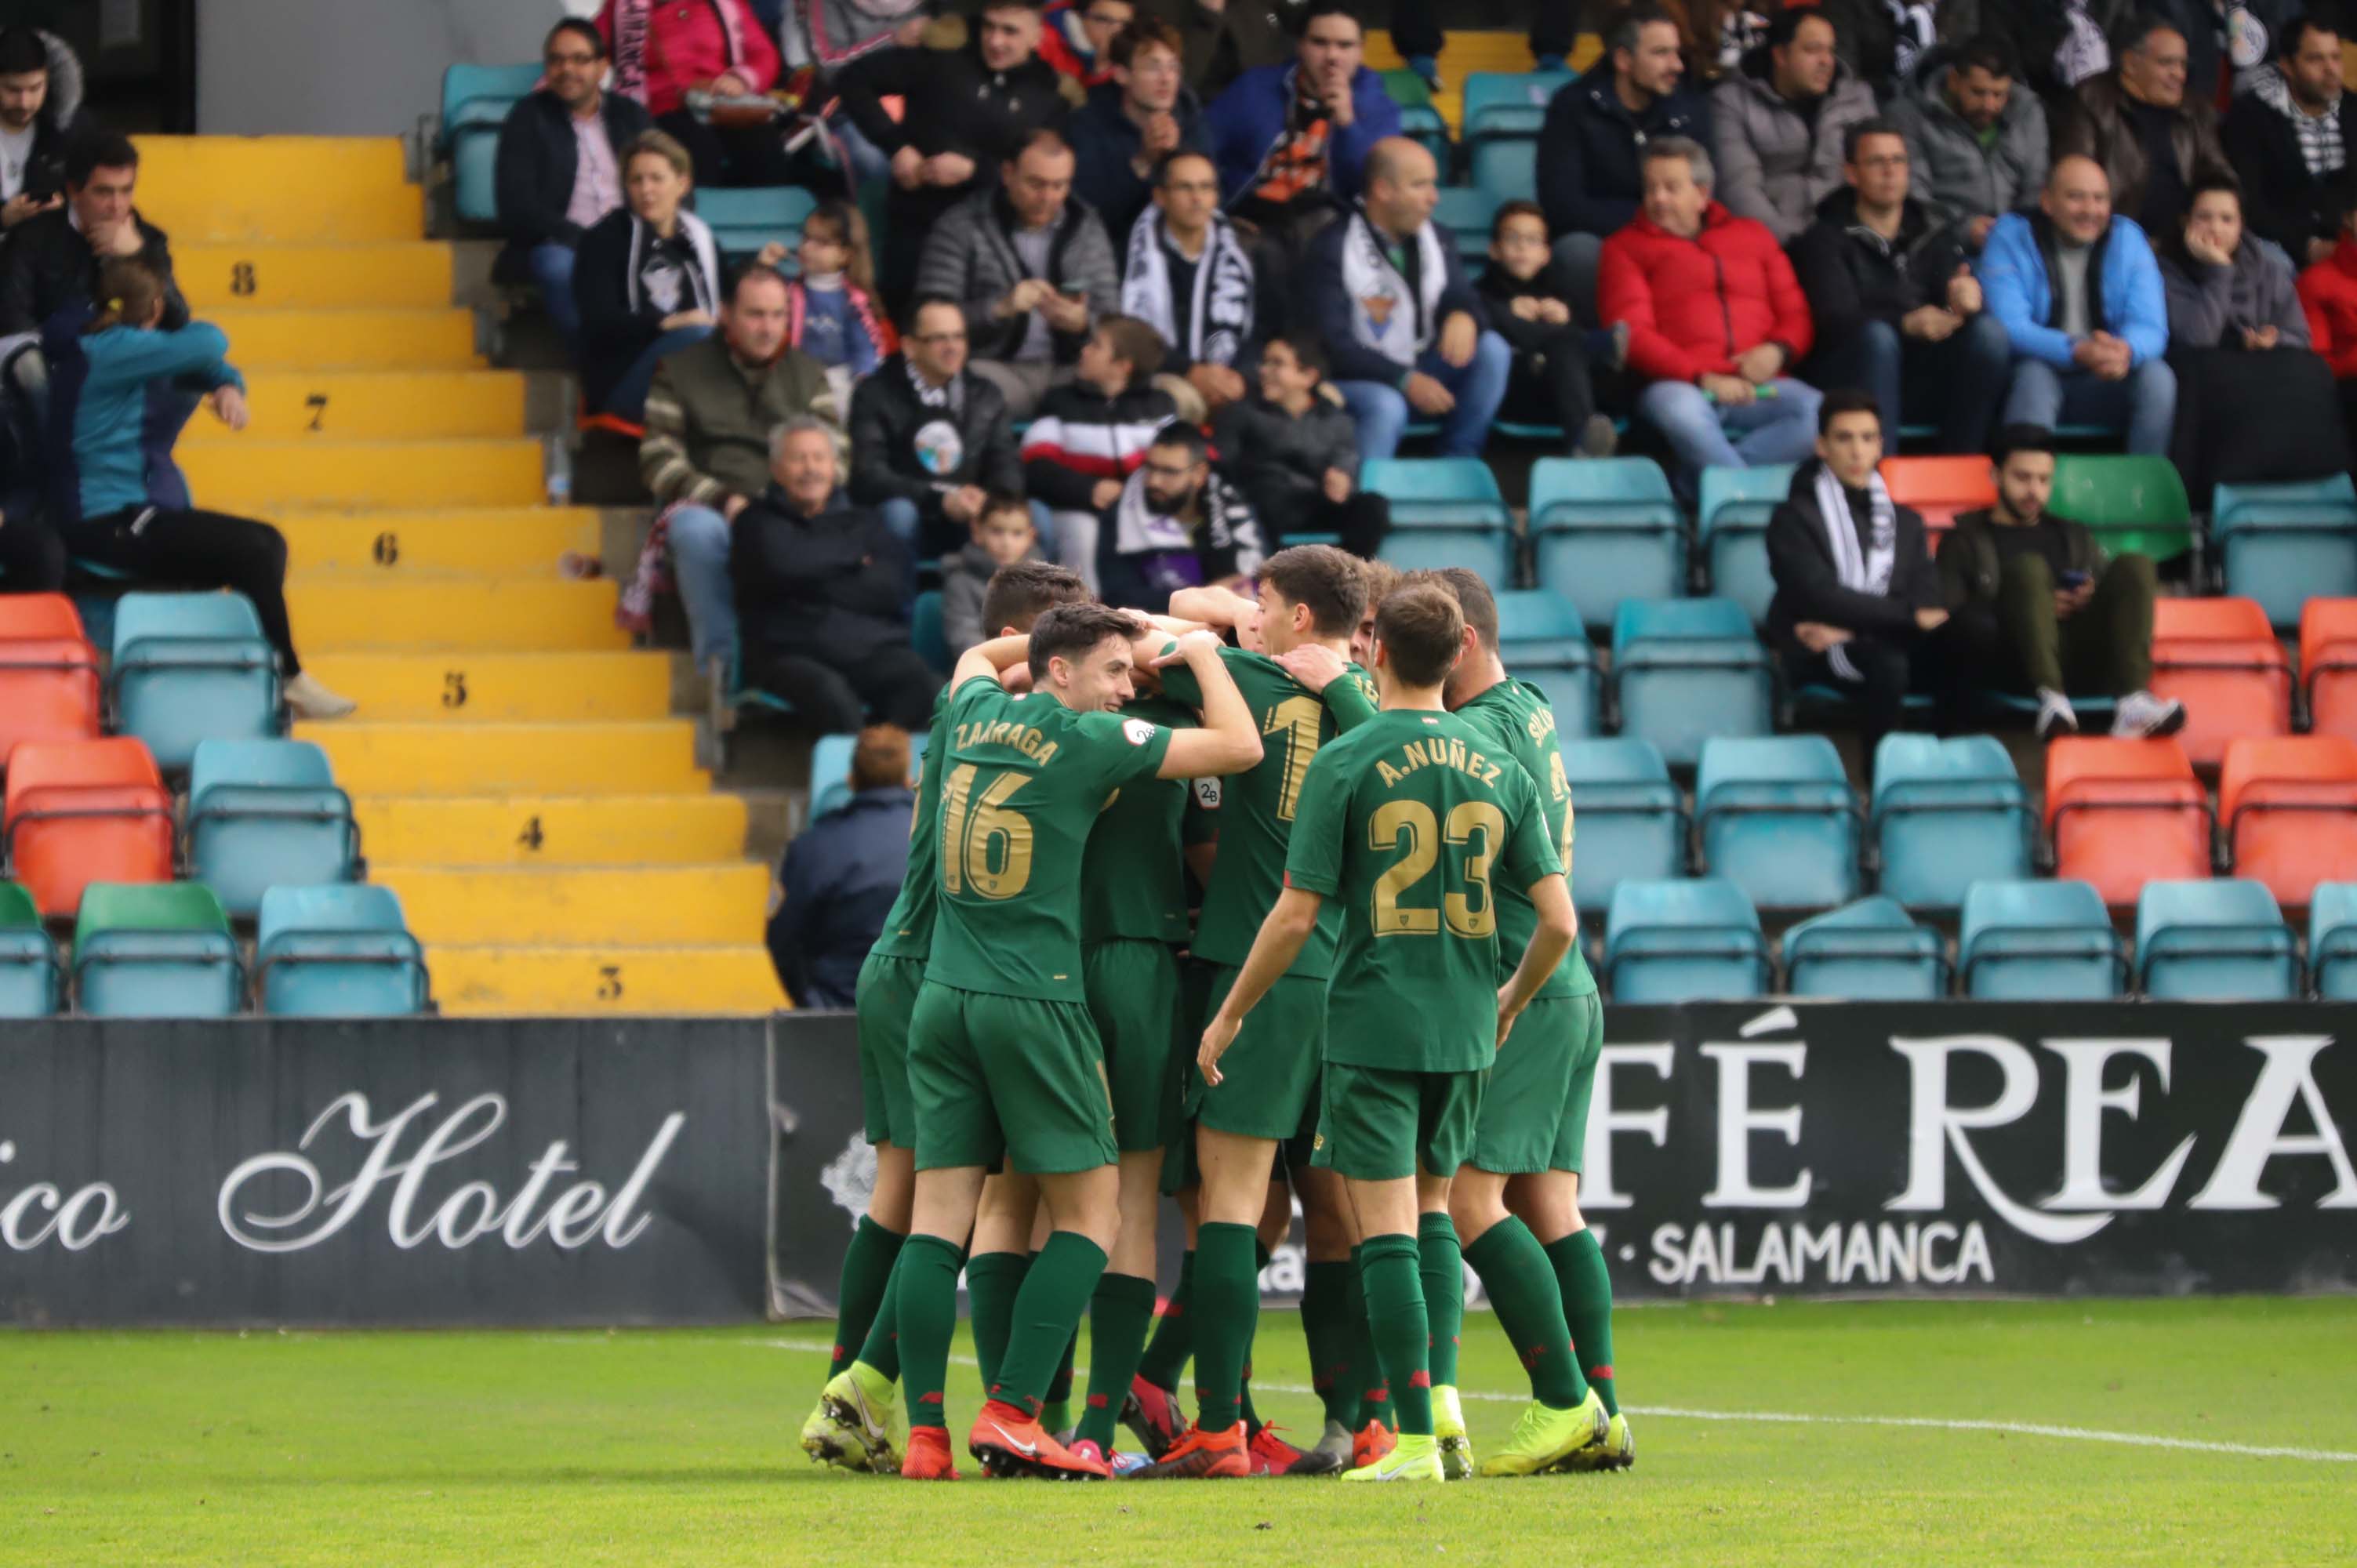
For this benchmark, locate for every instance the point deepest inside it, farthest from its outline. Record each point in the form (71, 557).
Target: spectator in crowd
(1528, 299)
(1189, 277)
(1592, 142)
(823, 595)
(647, 279)
(827, 36)
(1223, 41)
(1416, 34)
(1715, 318)
(965, 114)
(2140, 126)
(1076, 36)
(1092, 431)
(2224, 290)
(663, 52)
(842, 875)
(1977, 142)
(1291, 450)
(2059, 43)
(2080, 298)
(34, 126)
(52, 259)
(2327, 293)
(1777, 125)
(1004, 533)
(1897, 308)
(1033, 266)
(1293, 141)
(1177, 524)
(832, 311)
(2290, 138)
(117, 498)
(1855, 591)
(705, 456)
(930, 439)
(2036, 609)
(1403, 327)
(1132, 122)
(559, 170)
(1882, 41)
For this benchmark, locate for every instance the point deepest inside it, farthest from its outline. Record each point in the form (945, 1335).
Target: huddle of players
(1386, 929)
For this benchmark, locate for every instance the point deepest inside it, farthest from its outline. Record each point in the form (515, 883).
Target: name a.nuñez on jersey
(1438, 752)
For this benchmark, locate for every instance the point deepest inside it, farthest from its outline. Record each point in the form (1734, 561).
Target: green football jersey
(1023, 779)
(1255, 809)
(908, 926)
(1517, 716)
(1409, 824)
(1134, 879)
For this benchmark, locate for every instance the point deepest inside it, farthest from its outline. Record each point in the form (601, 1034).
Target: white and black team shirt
(15, 158)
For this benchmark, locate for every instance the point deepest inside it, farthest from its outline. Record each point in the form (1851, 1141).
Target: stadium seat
(1865, 952)
(265, 813)
(925, 631)
(830, 776)
(1628, 818)
(1605, 530)
(32, 980)
(2038, 941)
(2285, 545)
(2214, 940)
(745, 218)
(1464, 213)
(1939, 488)
(1542, 642)
(338, 952)
(48, 673)
(156, 951)
(1684, 670)
(474, 103)
(2328, 664)
(2132, 503)
(191, 667)
(2332, 940)
(83, 812)
(1502, 115)
(2124, 812)
(1947, 813)
(2287, 806)
(1777, 817)
(1693, 939)
(1445, 511)
(1732, 524)
(2221, 658)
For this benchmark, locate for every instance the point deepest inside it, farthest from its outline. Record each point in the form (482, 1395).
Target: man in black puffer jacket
(930, 439)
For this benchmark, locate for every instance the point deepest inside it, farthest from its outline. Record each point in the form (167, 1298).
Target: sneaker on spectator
(2056, 716)
(2142, 714)
(1600, 438)
(307, 698)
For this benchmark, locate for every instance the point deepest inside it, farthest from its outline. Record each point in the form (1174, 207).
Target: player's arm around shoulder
(1229, 741)
(988, 660)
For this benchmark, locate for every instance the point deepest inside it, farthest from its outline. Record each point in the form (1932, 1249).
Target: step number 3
(609, 982)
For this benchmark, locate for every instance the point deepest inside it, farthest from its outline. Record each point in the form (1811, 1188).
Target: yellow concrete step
(288, 190)
(552, 830)
(409, 272)
(682, 906)
(261, 476)
(366, 339)
(372, 405)
(417, 614)
(475, 687)
(644, 758)
(389, 546)
(574, 981)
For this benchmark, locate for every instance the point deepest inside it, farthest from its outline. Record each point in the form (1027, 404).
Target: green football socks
(1366, 1367)
(1520, 1279)
(882, 1348)
(925, 1296)
(1055, 1293)
(1227, 1306)
(1403, 1333)
(1173, 1343)
(1587, 1287)
(992, 1281)
(1442, 1265)
(866, 1279)
(1325, 1324)
(1119, 1314)
(1056, 1414)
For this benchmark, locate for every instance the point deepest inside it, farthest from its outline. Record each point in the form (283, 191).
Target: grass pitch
(647, 1447)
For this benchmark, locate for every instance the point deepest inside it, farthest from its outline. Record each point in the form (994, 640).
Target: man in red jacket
(1715, 317)
(2328, 292)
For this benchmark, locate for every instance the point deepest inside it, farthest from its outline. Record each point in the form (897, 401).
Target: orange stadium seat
(48, 673)
(2328, 664)
(1939, 488)
(2289, 806)
(2125, 812)
(85, 810)
(2222, 660)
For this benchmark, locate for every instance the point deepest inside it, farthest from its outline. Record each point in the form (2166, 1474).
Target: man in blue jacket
(842, 875)
(1131, 123)
(1382, 287)
(1292, 141)
(2080, 299)
(1591, 146)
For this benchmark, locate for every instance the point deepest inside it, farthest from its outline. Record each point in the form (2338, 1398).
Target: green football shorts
(1007, 1076)
(1269, 1072)
(1527, 1105)
(1383, 1124)
(887, 995)
(1134, 997)
(1571, 1135)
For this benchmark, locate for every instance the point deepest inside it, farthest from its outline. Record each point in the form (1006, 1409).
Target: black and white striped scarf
(1863, 566)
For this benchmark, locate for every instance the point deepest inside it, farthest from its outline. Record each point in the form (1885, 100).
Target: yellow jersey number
(984, 844)
(1414, 823)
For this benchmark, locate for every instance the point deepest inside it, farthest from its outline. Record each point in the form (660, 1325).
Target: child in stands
(831, 313)
(1004, 533)
(1530, 305)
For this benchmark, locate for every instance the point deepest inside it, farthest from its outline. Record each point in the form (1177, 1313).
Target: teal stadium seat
(1604, 531)
(1947, 813)
(1686, 940)
(1542, 642)
(831, 770)
(1629, 820)
(474, 103)
(1503, 112)
(2332, 940)
(1464, 213)
(1445, 511)
(745, 218)
(265, 813)
(2218, 940)
(190, 668)
(1866, 952)
(1731, 523)
(155, 950)
(1777, 817)
(2038, 941)
(32, 978)
(340, 950)
(2285, 545)
(925, 631)
(1684, 670)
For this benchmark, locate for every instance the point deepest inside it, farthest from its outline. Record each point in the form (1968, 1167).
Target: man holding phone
(2036, 606)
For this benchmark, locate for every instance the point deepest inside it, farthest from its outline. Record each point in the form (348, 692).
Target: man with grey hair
(1715, 318)
(823, 595)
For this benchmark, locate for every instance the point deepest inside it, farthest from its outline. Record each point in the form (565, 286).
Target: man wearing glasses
(929, 437)
(1132, 122)
(1176, 524)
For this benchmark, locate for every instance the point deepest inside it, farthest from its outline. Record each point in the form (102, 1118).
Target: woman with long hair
(647, 279)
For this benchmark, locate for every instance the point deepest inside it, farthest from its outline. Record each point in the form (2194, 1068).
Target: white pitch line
(2015, 1428)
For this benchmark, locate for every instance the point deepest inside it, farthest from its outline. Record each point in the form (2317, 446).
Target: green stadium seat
(338, 952)
(159, 950)
(2285, 545)
(2332, 940)
(1684, 670)
(2218, 940)
(1866, 952)
(267, 813)
(1731, 523)
(1628, 818)
(2132, 503)
(1604, 531)
(190, 668)
(2038, 941)
(1541, 640)
(745, 218)
(32, 978)
(1947, 813)
(474, 103)
(1686, 940)
(1776, 816)
(1445, 511)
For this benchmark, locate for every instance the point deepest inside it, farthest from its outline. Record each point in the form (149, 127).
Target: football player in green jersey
(1004, 1057)
(855, 1429)
(1409, 824)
